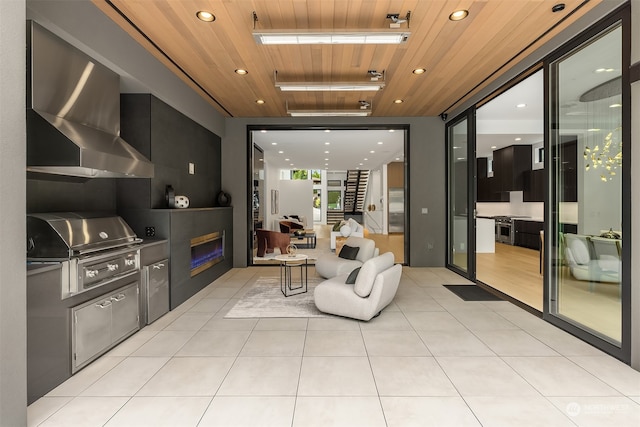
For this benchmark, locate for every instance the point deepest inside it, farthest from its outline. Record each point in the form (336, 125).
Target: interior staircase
(355, 191)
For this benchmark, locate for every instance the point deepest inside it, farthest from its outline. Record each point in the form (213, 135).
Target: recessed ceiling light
(326, 160)
(459, 15)
(290, 164)
(604, 70)
(593, 130)
(460, 158)
(241, 71)
(286, 160)
(397, 158)
(274, 143)
(557, 7)
(392, 130)
(262, 160)
(327, 143)
(380, 142)
(259, 101)
(521, 105)
(361, 164)
(419, 71)
(365, 159)
(615, 105)
(205, 16)
(372, 151)
(326, 152)
(327, 130)
(358, 167)
(518, 139)
(263, 131)
(398, 101)
(493, 147)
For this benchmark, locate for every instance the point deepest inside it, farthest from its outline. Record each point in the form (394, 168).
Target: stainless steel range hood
(73, 114)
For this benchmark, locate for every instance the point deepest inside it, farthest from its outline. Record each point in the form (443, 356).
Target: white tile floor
(430, 359)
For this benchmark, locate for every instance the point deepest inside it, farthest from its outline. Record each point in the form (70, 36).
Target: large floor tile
(222, 292)
(483, 320)
(43, 408)
(333, 324)
(618, 375)
(410, 376)
(514, 343)
(262, 376)
(565, 343)
(218, 324)
(189, 322)
(274, 343)
(526, 320)
(434, 321)
(394, 343)
(509, 411)
(336, 376)
(215, 343)
(484, 376)
(127, 377)
(334, 343)
(161, 411)
(188, 376)
(281, 324)
(266, 411)
(422, 302)
(558, 376)
(387, 321)
(87, 376)
(164, 343)
(338, 412)
(208, 305)
(599, 411)
(132, 343)
(427, 412)
(454, 343)
(87, 411)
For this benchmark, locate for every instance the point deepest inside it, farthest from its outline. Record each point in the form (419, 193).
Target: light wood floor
(393, 242)
(515, 271)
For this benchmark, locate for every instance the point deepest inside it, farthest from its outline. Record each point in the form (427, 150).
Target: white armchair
(593, 259)
(374, 288)
(331, 265)
(350, 228)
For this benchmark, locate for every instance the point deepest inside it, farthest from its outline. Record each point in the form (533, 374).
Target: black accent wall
(44, 195)
(171, 141)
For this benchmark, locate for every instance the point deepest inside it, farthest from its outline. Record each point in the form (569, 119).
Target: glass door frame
(623, 352)
(469, 116)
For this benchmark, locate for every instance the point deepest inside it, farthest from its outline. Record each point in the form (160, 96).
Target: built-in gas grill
(94, 249)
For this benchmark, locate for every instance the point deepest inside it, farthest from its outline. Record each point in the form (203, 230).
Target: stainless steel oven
(504, 230)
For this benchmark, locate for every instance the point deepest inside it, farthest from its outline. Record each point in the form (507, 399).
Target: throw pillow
(336, 226)
(349, 252)
(345, 230)
(351, 279)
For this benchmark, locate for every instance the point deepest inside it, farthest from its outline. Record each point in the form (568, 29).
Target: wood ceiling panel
(458, 56)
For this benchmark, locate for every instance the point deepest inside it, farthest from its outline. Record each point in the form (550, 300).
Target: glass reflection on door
(458, 195)
(586, 163)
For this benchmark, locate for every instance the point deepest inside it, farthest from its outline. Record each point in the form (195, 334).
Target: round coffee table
(286, 280)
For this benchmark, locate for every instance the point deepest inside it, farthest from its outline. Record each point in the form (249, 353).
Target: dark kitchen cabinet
(487, 188)
(509, 167)
(527, 233)
(568, 168)
(534, 186)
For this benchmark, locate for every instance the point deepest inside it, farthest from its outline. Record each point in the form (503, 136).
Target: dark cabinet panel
(509, 166)
(534, 186)
(568, 168)
(527, 233)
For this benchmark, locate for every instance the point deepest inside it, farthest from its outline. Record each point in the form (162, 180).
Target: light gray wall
(13, 305)
(427, 184)
(635, 184)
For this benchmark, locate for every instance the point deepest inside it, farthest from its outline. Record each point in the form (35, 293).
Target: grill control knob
(91, 273)
(129, 261)
(112, 267)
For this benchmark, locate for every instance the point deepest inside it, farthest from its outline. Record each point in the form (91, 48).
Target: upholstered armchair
(268, 240)
(290, 226)
(331, 265)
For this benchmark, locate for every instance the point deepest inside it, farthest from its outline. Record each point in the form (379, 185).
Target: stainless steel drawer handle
(158, 266)
(104, 304)
(120, 297)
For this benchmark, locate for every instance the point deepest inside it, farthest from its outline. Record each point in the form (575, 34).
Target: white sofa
(374, 288)
(593, 259)
(331, 265)
(350, 228)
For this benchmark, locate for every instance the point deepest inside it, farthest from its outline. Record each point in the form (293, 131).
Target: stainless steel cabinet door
(91, 330)
(157, 290)
(124, 312)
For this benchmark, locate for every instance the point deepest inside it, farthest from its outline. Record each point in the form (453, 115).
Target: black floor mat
(472, 293)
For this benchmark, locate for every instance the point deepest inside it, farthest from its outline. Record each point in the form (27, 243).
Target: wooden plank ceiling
(458, 56)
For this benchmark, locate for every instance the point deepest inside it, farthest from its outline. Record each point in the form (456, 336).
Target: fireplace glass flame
(206, 251)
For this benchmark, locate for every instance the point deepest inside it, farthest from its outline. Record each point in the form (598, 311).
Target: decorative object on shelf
(170, 197)
(292, 250)
(181, 202)
(224, 199)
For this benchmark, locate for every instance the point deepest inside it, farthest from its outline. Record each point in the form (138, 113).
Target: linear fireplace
(206, 251)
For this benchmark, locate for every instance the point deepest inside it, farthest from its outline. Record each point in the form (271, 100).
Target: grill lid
(60, 236)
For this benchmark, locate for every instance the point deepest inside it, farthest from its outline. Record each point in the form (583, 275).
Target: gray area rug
(265, 299)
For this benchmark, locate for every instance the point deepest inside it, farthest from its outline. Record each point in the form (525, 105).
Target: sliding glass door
(460, 230)
(587, 189)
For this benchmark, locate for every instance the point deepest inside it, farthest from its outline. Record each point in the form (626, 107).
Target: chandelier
(606, 158)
